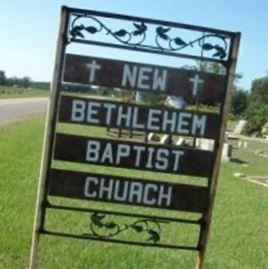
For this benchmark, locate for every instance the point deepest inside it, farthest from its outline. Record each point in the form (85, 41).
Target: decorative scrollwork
(107, 229)
(163, 41)
(121, 35)
(177, 43)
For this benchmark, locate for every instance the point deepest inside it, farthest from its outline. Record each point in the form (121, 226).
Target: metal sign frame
(223, 50)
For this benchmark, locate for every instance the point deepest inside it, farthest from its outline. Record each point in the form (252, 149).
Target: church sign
(120, 172)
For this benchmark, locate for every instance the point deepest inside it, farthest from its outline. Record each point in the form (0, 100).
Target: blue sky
(29, 29)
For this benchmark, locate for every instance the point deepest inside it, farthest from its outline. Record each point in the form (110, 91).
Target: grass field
(238, 236)
(17, 92)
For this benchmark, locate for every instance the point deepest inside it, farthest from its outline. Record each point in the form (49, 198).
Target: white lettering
(135, 191)
(169, 121)
(161, 157)
(92, 152)
(176, 164)
(121, 190)
(107, 154)
(122, 151)
(139, 150)
(90, 180)
(91, 112)
(134, 117)
(106, 189)
(149, 164)
(123, 196)
(147, 189)
(78, 110)
(153, 119)
(143, 78)
(159, 81)
(183, 123)
(199, 124)
(166, 196)
(109, 108)
(129, 76)
(124, 116)
(135, 123)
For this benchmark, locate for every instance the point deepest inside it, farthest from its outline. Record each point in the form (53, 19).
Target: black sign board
(90, 111)
(150, 37)
(143, 77)
(141, 156)
(139, 192)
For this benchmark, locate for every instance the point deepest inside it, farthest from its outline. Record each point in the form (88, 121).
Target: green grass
(239, 229)
(17, 92)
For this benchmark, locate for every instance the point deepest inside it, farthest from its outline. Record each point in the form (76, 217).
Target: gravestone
(166, 140)
(242, 144)
(205, 144)
(239, 127)
(180, 142)
(153, 137)
(227, 152)
(208, 144)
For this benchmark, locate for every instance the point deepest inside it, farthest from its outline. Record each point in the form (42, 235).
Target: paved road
(14, 109)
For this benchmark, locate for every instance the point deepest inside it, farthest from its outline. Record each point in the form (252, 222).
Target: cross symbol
(196, 81)
(93, 67)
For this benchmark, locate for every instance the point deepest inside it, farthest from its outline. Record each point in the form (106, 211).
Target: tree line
(256, 112)
(23, 82)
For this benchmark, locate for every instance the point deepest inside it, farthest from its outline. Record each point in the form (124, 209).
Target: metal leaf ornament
(120, 33)
(154, 236)
(207, 46)
(96, 219)
(110, 225)
(141, 29)
(138, 228)
(220, 52)
(76, 31)
(91, 29)
(161, 31)
(178, 41)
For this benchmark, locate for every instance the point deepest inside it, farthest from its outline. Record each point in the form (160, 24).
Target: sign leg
(48, 140)
(218, 148)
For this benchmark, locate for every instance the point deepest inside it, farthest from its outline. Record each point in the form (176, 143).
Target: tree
(239, 102)
(239, 96)
(257, 110)
(212, 67)
(2, 77)
(25, 82)
(12, 81)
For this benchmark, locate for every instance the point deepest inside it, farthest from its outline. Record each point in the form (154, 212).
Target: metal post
(218, 147)
(48, 138)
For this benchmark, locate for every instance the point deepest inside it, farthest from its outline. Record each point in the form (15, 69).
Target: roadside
(18, 108)
(17, 92)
